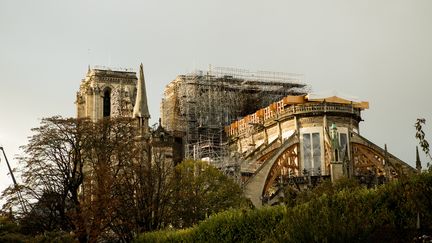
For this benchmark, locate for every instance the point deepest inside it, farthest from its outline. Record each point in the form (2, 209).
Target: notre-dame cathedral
(298, 137)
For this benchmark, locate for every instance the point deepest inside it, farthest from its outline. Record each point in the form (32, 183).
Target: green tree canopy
(201, 190)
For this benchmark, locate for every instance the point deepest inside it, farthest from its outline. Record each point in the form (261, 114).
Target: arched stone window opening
(107, 102)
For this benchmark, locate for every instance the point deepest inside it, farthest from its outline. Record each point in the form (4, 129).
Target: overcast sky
(377, 50)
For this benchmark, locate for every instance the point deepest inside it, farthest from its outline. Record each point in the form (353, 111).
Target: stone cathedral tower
(105, 92)
(111, 93)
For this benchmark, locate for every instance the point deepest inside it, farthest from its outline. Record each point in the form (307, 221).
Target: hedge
(385, 213)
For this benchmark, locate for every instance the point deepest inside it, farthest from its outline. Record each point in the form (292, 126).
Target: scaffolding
(197, 106)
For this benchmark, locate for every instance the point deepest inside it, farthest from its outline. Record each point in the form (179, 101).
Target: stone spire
(418, 162)
(141, 109)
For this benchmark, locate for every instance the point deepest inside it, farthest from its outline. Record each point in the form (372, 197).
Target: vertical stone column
(279, 130)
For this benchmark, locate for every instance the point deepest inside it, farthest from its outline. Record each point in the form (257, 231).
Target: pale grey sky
(377, 50)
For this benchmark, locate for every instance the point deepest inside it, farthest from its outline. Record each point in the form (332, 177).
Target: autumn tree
(53, 173)
(110, 160)
(72, 174)
(146, 192)
(107, 181)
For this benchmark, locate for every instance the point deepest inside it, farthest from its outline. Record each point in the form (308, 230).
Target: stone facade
(104, 93)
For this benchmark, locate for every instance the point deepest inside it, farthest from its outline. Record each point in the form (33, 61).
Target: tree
(72, 173)
(146, 192)
(45, 215)
(110, 158)
(202, 190)
(420, 135)
(53, 165)
(104, 181)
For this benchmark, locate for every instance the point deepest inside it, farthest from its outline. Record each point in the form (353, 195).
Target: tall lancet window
(312, 152)
(107, 102)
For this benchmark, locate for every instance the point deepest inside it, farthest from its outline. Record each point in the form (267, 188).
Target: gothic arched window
(107, 102)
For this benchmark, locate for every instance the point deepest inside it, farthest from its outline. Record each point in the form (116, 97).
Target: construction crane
(20, 198)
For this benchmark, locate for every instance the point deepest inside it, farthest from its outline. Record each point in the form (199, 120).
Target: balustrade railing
(296, 110)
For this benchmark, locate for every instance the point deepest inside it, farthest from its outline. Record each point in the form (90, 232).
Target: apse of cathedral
(303, 140)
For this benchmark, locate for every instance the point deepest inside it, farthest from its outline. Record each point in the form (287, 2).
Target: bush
(55, 237)
(182, 235)
(343, 213)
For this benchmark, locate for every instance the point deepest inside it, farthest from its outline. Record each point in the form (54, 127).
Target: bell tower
(106, 92)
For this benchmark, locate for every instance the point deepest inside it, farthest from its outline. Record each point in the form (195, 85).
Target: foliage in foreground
(95, 182)
(336, 214)
(201, 190)
(11, 232)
